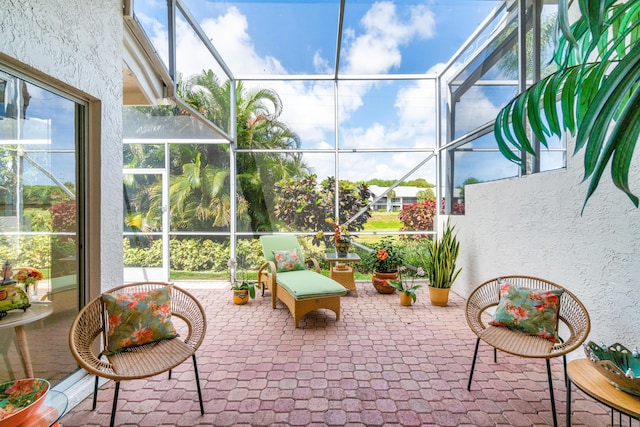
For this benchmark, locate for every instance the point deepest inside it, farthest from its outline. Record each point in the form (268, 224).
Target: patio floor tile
(380, 365)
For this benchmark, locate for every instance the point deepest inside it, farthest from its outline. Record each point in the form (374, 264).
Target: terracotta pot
(405, 299)
(380, 282)
(439, 296)
(240, 296)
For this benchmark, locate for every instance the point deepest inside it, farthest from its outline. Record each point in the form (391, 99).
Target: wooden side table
(17, 319)
(341, 269)
(586, 377)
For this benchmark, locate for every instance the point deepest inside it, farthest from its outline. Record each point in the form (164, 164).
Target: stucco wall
(78, 44)
(533, 226)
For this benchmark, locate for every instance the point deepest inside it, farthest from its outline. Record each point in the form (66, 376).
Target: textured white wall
(533, 226)
(79, 43)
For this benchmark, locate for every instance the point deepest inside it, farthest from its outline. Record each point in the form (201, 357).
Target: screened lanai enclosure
(365, 111)
(375, 131)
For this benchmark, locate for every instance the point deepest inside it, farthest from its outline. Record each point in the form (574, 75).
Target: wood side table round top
(585, 376)
(17, 319)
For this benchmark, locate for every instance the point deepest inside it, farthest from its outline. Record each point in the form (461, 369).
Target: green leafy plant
(303, 204)
(406, 287)
(244, 285)
(386, 258)
(442, 255)
(418, 216)
(596, 84)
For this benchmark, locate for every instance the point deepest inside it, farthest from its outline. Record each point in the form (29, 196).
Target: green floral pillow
(290, 260)
(139, 318)
(534, 312)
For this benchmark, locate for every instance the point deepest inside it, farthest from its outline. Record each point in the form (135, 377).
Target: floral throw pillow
(534, 312)
(290, 260)
(138, 318)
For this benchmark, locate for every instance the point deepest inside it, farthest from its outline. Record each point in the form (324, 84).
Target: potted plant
(441, 271)
(386, 259)
(407, 291)
(242, 291)
(341, 237)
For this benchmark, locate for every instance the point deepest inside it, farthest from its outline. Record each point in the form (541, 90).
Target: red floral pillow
(138, 318)
(290, 260)
(534, 312)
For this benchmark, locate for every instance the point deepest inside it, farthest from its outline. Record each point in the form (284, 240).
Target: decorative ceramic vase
(342, 248)
(439, 296)
(379, 280)
(405, 299)
(240, 296)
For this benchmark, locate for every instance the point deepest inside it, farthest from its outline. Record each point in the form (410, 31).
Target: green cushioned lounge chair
(301, 291)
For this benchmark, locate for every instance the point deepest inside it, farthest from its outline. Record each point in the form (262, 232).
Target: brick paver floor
(381, 364)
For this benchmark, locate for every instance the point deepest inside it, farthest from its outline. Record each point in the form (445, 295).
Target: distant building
(402, 196)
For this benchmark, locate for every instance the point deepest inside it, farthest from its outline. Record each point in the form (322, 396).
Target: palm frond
(596, 88)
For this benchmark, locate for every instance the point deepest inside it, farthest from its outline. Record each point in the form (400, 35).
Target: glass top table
(49, 414)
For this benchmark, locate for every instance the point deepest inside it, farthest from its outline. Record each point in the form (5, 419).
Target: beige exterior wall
(77, 46)
(533, 226)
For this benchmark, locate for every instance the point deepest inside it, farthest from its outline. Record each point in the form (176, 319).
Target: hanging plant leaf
(596, 84)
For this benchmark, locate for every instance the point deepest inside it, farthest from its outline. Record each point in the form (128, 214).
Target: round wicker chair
(572, 315)
(141, 361)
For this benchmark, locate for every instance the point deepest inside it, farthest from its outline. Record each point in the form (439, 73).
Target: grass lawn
(380, 221)
(383, 221)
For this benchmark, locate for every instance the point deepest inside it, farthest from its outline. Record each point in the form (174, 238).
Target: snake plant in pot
(441, 255)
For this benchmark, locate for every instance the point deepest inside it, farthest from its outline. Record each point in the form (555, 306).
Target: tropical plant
(441, 259)
(386, 257)
(258, 126)
(304, 205)
(200, 172)
(407, 288)
(244, 285)
(596, 84)
(418, 216)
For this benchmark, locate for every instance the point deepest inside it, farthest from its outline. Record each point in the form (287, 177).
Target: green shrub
(249, 254)
(142, 256)
(198, 255)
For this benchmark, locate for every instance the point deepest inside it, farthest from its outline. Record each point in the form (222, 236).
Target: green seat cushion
(305, 284)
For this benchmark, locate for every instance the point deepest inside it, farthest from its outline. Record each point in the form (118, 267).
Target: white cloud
(377, 50)
(372, 48)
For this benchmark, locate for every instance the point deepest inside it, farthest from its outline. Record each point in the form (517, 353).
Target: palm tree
(200, 193)
(597, 82)
(258, 127)
(199, 173)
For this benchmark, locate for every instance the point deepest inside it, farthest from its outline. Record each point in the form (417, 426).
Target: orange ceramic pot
(240, 296)
(380, 282)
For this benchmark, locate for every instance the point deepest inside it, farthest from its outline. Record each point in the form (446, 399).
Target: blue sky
(299, 37)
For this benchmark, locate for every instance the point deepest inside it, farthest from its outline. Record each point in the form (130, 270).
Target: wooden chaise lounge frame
(268, 278)
(573, 316)
(143, 361)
